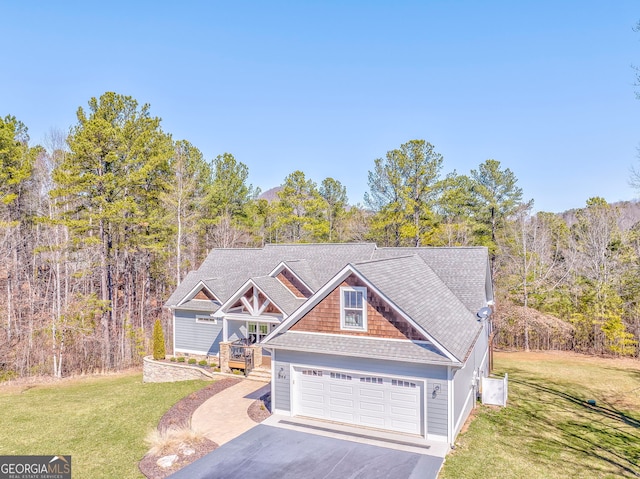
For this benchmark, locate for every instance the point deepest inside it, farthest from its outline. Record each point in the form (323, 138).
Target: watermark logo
(35, 467)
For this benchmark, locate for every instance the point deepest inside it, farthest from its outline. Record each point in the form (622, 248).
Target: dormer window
(353, 308)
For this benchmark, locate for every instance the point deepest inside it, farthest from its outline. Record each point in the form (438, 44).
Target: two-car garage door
(381, 402)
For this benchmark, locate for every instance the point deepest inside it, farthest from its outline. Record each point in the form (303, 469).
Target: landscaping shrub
(203, 363)
(159, 351)
(181, 359)
(173, 359)
(192, 360)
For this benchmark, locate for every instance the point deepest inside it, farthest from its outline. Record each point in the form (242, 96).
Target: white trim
(283, 265)
(451, 408)
(246, 317)
(194, 291)
(239, 295)
(356, 289)
(377, 338)
(206, 319)
(173, 340)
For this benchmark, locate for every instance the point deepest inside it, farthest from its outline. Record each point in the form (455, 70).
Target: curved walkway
(223, 417)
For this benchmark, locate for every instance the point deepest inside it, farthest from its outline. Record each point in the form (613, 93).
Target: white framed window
(353, 308)
(257, 331)
(206, 319)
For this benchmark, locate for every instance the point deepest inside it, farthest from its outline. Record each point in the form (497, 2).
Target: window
(353, 308)
(312, 372)
(402, 384)
(345, 377)
(257, 331)
(371, 380)
(206, 319)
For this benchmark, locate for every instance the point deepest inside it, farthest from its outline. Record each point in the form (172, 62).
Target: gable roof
(465, 270)
(415, 289)
(226, 269)
(278, 294)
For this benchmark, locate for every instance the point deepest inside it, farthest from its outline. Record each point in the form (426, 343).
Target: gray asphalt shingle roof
(204, 306)
(229, 268)
(279, 294)
(441, 289)
(410, 284)
(463, 269)
(356, 346)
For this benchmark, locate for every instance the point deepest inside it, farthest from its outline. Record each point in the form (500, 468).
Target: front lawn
(548, 429)
(100, 421)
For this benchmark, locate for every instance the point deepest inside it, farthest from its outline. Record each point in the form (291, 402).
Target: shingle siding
(196, 337)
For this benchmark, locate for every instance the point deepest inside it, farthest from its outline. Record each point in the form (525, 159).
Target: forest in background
(99, 224)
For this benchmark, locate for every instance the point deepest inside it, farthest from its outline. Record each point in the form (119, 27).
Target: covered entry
(383, 402)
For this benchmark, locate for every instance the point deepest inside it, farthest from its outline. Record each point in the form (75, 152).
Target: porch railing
(241, 356)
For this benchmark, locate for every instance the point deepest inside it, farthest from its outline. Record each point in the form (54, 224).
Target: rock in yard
(186, 450)
(167, 461)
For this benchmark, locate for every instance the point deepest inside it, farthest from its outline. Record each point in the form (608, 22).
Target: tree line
(99, 225)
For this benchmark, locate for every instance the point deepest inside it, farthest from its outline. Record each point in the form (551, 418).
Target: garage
(382, 402)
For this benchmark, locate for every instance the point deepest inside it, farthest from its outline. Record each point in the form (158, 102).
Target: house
(387, 338)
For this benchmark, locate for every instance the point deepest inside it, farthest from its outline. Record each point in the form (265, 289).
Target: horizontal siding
(236, 330)
(361, 364)
(282, 386)
(192, 336)
(437, 407)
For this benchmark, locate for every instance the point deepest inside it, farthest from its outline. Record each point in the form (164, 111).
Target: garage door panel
(371, 394)
(340, 389)
(404, 411)
(402, 397)
(372, 421)
(372, 406)
(339, 402)
(405, 426)
(359, 399)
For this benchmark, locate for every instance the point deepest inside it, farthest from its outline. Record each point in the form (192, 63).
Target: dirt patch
(179, 416)
(260, 409)
(24, 384)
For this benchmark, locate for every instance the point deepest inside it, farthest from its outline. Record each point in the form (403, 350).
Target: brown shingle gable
(382, 320)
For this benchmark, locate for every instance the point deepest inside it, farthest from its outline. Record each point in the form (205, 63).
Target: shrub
(159, 351)
(237, 371)
(216, 369)
(192, 360)
(173, 359)
(203, 363)
(181, 359)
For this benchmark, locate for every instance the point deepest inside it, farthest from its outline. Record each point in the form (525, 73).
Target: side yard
(101, 421)
(549, 429)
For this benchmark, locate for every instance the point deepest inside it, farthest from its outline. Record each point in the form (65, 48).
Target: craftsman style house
(387, 338)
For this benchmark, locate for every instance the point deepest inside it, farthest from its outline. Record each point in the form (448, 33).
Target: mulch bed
(180, 416)
(260, 409)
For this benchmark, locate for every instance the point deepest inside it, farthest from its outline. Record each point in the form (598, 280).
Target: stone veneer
(162, 372)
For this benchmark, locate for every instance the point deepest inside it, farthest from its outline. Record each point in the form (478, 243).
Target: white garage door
(366, 400)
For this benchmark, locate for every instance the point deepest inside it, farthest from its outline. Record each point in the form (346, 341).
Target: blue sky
(545, 87)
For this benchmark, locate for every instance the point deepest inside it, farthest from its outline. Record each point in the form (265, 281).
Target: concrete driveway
(274, 452)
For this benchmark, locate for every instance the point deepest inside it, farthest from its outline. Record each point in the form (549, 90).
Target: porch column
(225, 351)
(257, 355)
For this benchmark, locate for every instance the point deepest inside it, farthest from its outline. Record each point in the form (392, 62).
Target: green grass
(548, 430)
(100, 421)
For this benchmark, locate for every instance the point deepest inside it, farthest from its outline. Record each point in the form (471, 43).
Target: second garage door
(382, 402)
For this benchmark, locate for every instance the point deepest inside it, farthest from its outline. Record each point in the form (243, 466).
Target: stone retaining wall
(161, 372)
